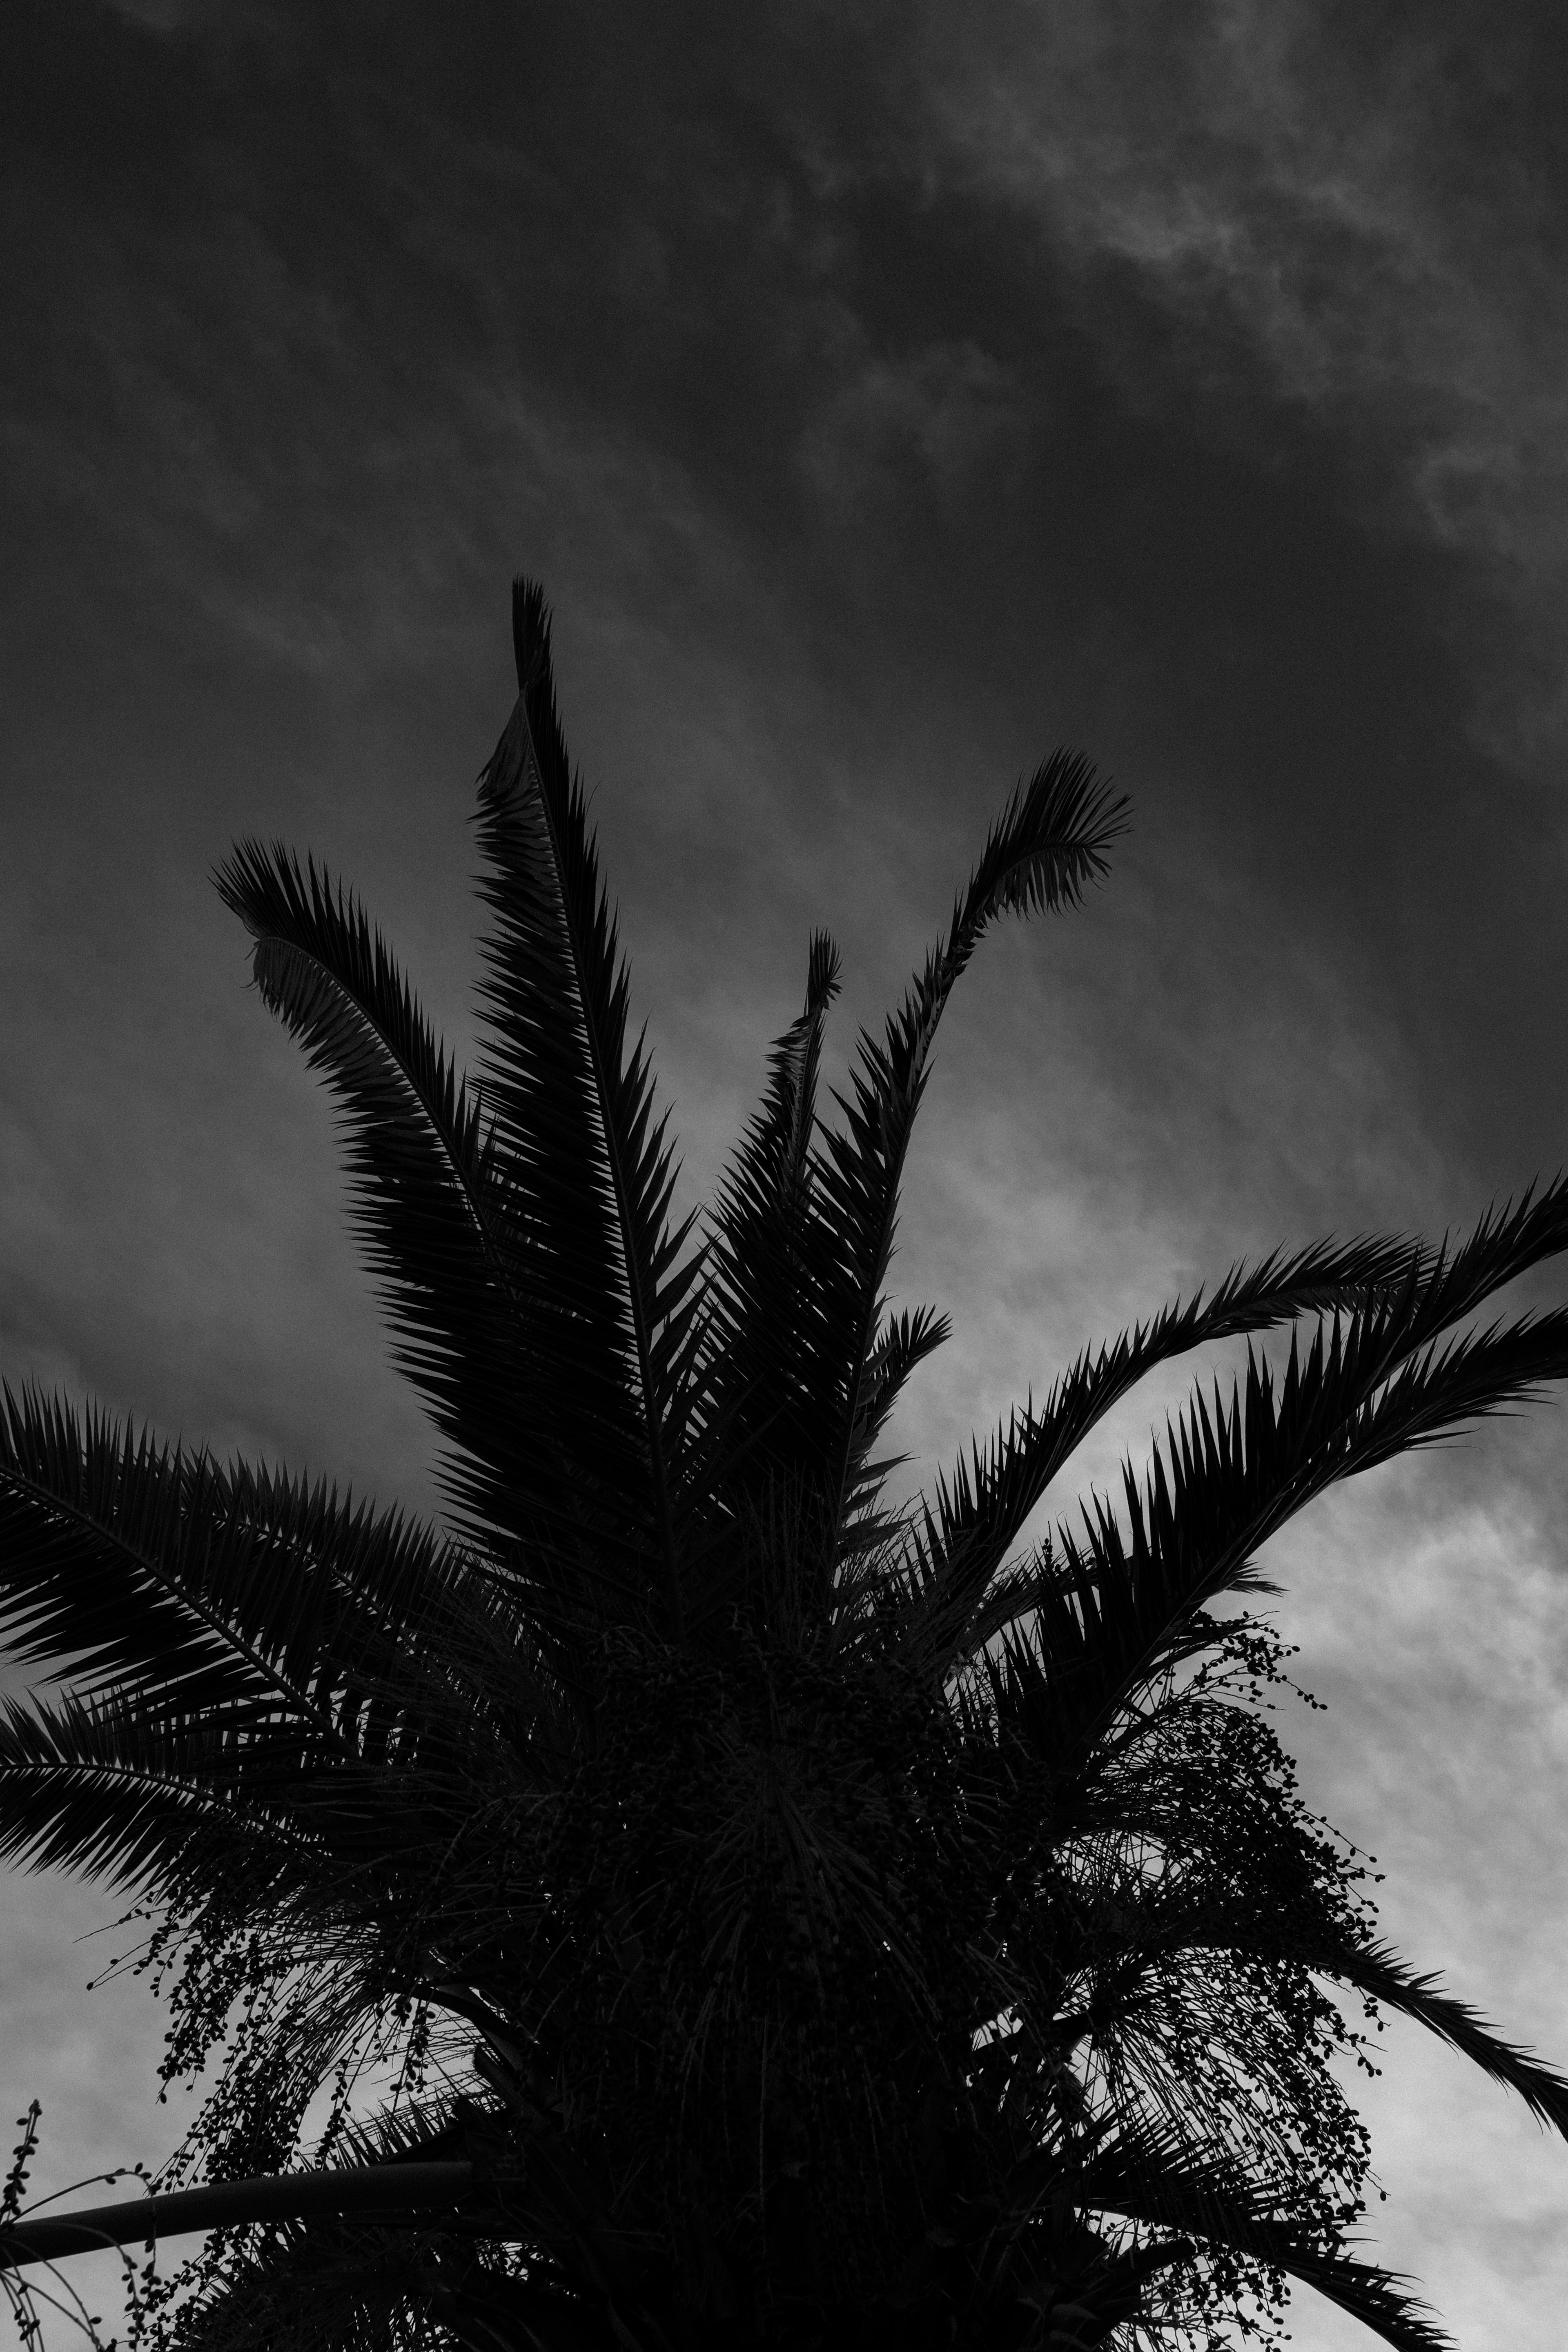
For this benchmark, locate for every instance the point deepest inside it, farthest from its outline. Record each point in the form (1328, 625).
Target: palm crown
(789, 1920)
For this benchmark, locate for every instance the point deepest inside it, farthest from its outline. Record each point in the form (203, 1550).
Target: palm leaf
(90, 1784)
(253, 1796)
(428, 1190)
(767, 1319)
(904, 1340)
(1374, 1969)
(321, 2286)
(123, 1561)
(1275, 1921)
(1046, 846)
(1147, 2176)
(572, 1097)
(1115, 1607)
(123, 1557)
(981, 1507)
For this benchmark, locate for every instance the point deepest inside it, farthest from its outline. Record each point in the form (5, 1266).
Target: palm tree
(718, 1908)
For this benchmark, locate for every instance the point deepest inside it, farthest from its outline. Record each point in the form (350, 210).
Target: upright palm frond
(476, 1319)
(763, 1265)
(783, 1920)
(1048, 844)
(591, 1171)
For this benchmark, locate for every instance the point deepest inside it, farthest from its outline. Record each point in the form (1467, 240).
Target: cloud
(224, 21)
(1344, 202)
(1431, 1604)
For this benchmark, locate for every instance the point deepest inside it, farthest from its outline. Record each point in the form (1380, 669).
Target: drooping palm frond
(1147, 2177)
(276, 1693)
(90, 1784)
(137, 1562)
(125, 1559)
(1374, 1969)
(132, 1788)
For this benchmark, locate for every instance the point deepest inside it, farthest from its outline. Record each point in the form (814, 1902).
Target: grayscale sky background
(884, 394)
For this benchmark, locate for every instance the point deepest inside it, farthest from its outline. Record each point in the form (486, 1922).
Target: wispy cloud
(1347, 205)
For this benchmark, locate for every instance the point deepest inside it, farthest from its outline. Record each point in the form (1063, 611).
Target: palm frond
(767, 1319)
(1117, 1606)
(1042, 853)
(120, 1556)
(571, 1096)
(904, 1340)
(430, 1191)
(1147, 2176)
(979, 1508)
(92, 1785)
(123, 1561)
(1374, 1969)
(242, 1802)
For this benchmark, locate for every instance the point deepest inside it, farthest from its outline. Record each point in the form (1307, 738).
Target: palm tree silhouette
(790, 1920)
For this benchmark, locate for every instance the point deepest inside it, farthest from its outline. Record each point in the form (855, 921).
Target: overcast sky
(884, 394)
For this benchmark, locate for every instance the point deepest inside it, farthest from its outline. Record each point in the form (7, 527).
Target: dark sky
(884, 394)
